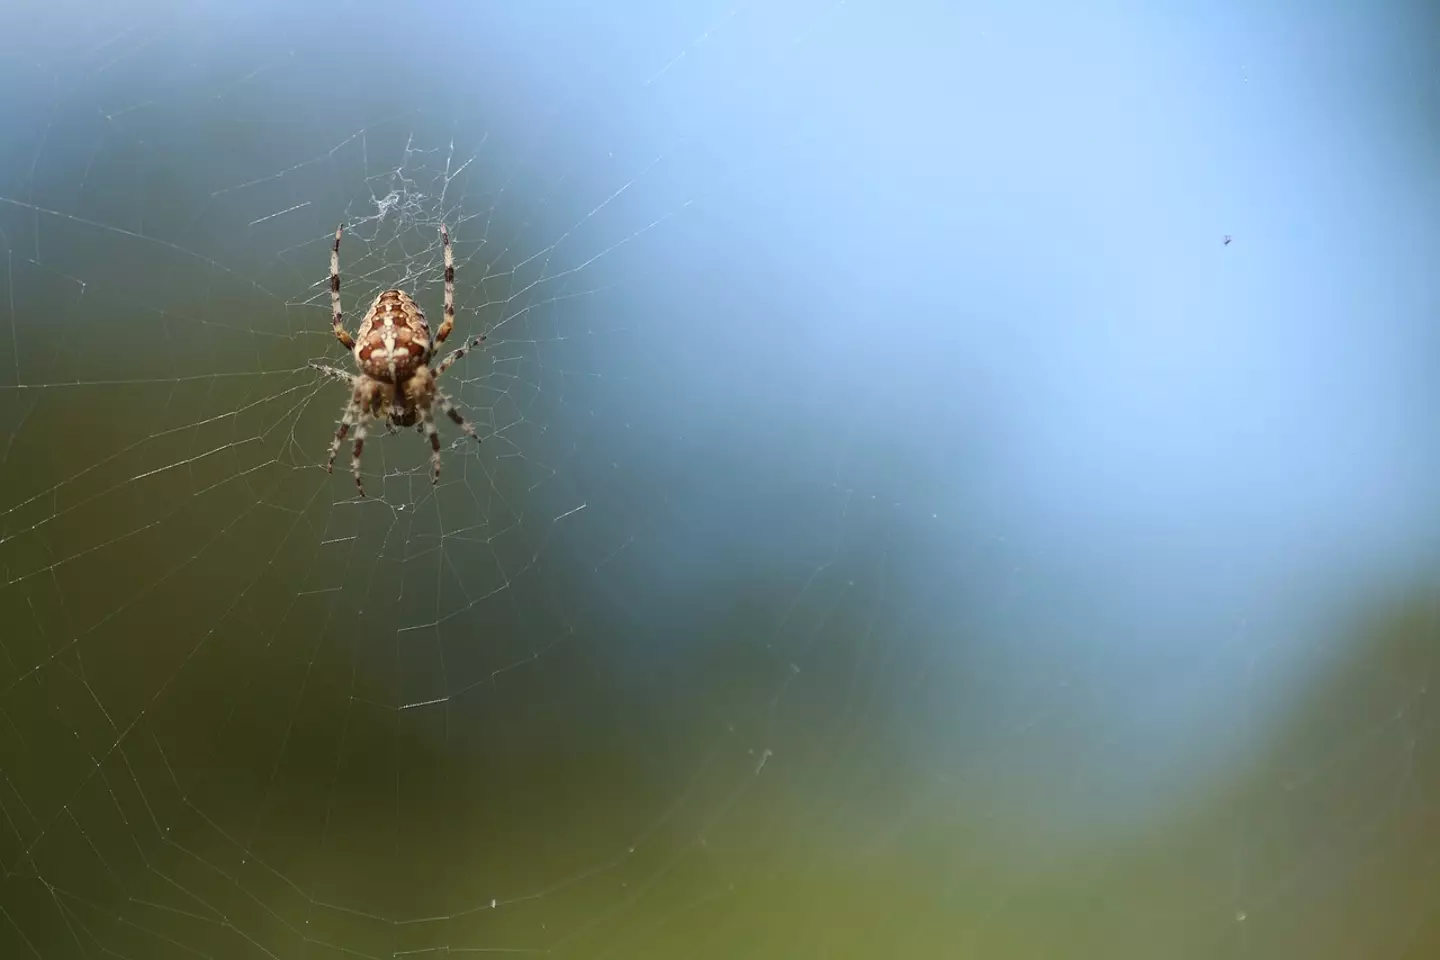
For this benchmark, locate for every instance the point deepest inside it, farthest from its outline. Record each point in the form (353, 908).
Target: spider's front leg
(427, 426)
(354, 413)
(454, 415)
(347, 420)
(333, 373)
(355, 454)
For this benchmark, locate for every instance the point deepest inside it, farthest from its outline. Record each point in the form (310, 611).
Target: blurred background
(904, 526)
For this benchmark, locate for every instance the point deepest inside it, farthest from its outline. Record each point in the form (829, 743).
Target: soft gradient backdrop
(903, 526)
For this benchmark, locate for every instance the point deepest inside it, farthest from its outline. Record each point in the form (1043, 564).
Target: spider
(393, 350)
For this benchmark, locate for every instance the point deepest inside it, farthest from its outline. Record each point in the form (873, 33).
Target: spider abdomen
(393, 340)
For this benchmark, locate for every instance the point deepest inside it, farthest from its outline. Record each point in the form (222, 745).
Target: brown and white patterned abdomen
(394, 340)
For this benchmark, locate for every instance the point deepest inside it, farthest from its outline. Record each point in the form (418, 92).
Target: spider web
(699, 653)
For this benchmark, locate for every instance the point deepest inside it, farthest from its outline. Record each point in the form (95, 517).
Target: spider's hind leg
(449, 323)
(457, 353)
(337, 318)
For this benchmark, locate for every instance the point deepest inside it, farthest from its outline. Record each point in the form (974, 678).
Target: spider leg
(341, 333)
(334, 373)
(427, 426)
(454, 355)
(355, 454)
(352, 413)
(449, 323)
(454, 414)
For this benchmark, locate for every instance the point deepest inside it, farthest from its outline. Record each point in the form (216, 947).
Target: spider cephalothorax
(393, 350)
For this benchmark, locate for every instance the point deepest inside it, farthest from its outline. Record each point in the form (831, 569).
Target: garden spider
(393, 350)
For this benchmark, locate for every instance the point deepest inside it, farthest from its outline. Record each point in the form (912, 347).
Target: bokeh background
(903, 527)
